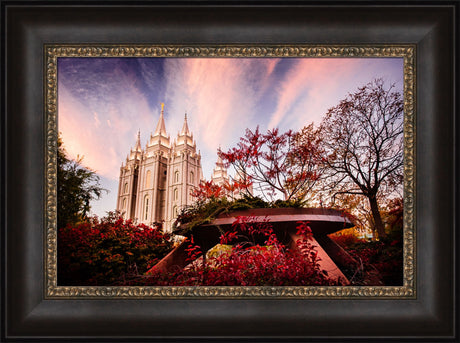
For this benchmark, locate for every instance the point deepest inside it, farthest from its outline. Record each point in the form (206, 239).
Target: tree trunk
(377, 217)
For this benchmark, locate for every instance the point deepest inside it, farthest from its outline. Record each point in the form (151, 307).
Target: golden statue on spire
(162, 107)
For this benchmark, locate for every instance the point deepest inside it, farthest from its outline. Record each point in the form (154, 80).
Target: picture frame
(407, 57)
(32, 313)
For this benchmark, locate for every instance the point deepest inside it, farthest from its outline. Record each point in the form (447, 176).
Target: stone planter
(284, 222)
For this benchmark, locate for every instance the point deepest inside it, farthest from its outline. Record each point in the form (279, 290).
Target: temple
(156, 182)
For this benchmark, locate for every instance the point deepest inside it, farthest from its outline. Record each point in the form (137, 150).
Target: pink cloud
(313, 86)
(217, 95)
(101, 136)
(316, 78)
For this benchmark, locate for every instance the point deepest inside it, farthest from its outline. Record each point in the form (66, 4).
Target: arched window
(191, 177)
(176, 194)
(123, 206)
(176, 176)
(148, 176)
(175, 211)
(146, 207)
(125, 189)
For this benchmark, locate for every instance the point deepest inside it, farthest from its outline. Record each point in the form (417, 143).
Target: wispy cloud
(307, 86)
(98, 114)
(220, 96)
(312, 86)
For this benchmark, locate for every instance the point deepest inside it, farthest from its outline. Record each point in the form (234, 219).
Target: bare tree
(363, 139)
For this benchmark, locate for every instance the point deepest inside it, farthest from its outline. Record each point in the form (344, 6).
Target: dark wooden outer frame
(28, 26)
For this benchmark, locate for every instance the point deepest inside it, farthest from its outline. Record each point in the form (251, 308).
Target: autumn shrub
(385, 255)
(101, 252)
(247, 263)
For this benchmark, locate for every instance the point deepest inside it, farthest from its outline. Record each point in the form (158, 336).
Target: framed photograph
(185, 199)
(299, 191)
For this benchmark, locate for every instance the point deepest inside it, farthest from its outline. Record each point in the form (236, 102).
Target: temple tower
(184, 173)
(219, 174)
(152, 180)
(128, 181)
(221, 178)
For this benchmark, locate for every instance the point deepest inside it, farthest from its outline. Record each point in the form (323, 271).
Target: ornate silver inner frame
(54, 52)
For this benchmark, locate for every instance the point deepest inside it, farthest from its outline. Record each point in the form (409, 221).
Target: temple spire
(185, 130)
(219, 162)
(138, 141)
(161, 129)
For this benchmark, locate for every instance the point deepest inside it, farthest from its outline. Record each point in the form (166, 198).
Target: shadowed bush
(101, 252)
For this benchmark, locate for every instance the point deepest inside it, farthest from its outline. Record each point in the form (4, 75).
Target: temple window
(146, 207)
(148, 177)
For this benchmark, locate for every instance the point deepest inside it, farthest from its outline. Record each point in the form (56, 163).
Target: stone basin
(321, 221)
(284, 222)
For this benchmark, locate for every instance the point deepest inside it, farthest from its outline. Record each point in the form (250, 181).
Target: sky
(104, 102)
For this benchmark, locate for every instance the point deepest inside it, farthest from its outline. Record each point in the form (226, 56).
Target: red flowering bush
(247, 263)
(102, 252)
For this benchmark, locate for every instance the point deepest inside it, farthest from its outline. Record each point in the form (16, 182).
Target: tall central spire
(161, 129)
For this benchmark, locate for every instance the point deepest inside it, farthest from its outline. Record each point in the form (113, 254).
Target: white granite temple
(155, 183)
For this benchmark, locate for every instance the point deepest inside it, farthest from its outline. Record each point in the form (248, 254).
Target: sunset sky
(103, 102)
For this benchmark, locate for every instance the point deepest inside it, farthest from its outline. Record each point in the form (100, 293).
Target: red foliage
(102, 252)
(207, 190)
(286, 163)
(237, 186)
(250, 264)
